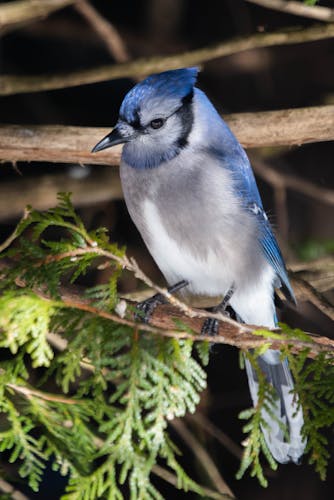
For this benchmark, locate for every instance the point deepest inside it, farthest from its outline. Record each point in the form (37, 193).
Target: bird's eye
(157, 123)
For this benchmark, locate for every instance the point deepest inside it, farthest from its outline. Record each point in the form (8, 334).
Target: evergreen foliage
(105, 425)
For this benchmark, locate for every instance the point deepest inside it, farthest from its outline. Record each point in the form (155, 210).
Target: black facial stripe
(135, 123)
(186, 115)
(188, 98)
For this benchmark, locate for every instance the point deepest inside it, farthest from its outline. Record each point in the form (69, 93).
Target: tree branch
(101, 186)
(203, 457)
(165, 318)
(29, 392)
(14, 84)
(206, 424)
(312, 295)
(298, 9)
(105, 30)
(280, 180)
(170, 478)
(68, 144)
(10, 491)
(20, 12)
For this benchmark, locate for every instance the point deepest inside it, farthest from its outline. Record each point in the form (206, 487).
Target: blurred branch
(298, 9)
(170, 478)
(279, 180)
(105, 30)
(203, 422)
(302, 288)
(203, 458)
(318, 273)
(20, 12)
(320, 265)
(10, 492)
(67, 144)
(104, 185)
(14, 84)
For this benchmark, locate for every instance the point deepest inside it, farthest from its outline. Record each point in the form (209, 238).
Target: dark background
(263, 79)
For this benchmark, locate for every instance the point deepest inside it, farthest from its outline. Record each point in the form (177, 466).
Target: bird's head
(155, 118)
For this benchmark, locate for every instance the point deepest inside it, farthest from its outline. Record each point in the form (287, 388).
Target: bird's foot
(211, 325)
(145, 309)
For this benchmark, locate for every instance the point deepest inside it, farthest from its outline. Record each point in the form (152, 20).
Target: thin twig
(105, 30)
(28, 393)
(14, 234)
(170, 478)
(298, 9)
(313, 296)
(203, 457)
(223, 438)
(14, 84)
(130, 265)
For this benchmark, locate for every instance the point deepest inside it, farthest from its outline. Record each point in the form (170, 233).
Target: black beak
(110, 140)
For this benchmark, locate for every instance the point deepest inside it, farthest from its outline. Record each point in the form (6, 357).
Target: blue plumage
(173, 87)
(191, 192)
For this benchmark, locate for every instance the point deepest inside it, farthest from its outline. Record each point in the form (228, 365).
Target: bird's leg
(145, 308)
(211, 325)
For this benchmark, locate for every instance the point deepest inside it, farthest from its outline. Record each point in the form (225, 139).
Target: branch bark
(163, 318)
(68, 144)
(230, 332)
(298, 9)
(14, 84)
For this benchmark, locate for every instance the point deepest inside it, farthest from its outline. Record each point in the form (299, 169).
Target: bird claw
(145, 309)
(210, 327)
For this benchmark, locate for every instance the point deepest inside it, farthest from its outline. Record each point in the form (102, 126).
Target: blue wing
(247, 187)
(237, 162)
(274, 257)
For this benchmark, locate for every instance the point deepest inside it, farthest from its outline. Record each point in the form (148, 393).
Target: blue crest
(167, 87)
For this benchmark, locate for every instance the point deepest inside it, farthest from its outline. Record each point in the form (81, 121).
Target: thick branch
(230, 332)
(67, 144)
(20, 12)
(14, 84)
(298, 9)
(163, 319)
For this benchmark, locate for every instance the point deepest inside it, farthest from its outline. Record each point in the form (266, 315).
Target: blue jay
(191, 192)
